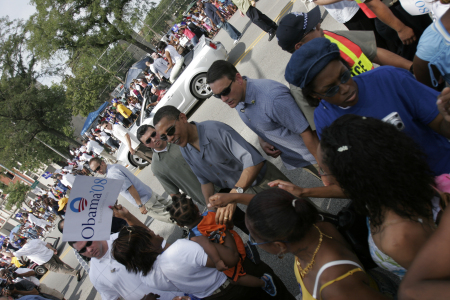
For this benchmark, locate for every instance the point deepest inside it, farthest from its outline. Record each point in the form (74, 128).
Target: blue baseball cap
(309, 60)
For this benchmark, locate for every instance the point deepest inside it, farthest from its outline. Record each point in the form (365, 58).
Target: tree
(90, 85)
(71, 25)
(17, 193)
(29, 109)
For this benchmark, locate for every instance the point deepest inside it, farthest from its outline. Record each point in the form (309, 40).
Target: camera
(394, 119)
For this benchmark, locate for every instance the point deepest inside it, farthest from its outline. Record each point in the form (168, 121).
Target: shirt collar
(248, 91)
(203, 140)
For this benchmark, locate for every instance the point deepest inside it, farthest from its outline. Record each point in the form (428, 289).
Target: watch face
(240, 190)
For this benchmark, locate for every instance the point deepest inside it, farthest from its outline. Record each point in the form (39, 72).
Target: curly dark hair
(273, 217)
(383, 168)
(183, 211)
(135, 249)
(308, 90)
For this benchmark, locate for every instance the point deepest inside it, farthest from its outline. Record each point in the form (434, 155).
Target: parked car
(189, 88)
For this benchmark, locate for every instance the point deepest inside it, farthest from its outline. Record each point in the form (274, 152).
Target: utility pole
(110, 72)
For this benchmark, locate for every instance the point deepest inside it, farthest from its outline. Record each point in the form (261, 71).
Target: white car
(184, 93)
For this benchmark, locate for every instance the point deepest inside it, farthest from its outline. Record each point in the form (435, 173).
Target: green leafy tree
(17, 193)
(70, 25)
(31, 111)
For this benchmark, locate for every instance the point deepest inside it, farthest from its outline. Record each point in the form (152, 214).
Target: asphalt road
(254, 57)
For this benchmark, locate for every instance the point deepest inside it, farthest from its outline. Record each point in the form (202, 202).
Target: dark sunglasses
(170, 132)
(82, 250)
(333, 90)
(98, 168)
(149, 140)
(225, 91)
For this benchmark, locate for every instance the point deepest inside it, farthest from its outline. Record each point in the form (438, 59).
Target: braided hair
(183, 211)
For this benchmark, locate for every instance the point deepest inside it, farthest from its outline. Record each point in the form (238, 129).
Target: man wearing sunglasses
(359, 48)
(134, 190)
(169, 166)
(267, 107)
(110, 278)
(218, 156)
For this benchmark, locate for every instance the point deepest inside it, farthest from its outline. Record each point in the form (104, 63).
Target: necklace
(305, 271)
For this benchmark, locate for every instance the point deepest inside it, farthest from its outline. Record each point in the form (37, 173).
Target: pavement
(254, 57)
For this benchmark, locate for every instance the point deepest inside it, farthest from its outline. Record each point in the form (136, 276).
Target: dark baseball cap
(294, 26)
(309, 60)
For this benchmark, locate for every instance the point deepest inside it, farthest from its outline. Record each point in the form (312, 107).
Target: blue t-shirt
(386, 90)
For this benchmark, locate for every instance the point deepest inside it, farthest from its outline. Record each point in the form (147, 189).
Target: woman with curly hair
(386, 175)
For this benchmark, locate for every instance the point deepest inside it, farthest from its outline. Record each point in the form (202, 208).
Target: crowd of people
(367, 112)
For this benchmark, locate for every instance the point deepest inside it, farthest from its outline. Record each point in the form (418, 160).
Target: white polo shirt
(36, 250)
(94, 146)
(182, 268)
(119, 132)
(112, 280)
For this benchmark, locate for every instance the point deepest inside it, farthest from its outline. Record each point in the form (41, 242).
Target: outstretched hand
(287, 186)
(151, 296)
(119, 211)
(221, 199)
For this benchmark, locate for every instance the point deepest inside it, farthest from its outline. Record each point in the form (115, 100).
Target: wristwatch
(239, 190)
(140, 205)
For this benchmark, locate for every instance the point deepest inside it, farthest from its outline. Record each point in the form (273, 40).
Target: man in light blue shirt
(134, 190)
(268, 108)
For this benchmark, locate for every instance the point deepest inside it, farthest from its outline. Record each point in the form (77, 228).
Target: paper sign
(88, 217)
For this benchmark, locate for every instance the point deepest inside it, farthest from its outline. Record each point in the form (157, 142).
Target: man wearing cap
(268, 108)
(247, 8)
(134, 190)
(125, 136)
(357, 48)
(386, 93)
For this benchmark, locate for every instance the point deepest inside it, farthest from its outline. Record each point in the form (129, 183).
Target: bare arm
(422, 73)
(169, 59)
(121, 212)
(385, 57)
(134, 193)
(331, 191)
(325, 2)
(385, 15)
(27, 274)
(212, 252)
(219, 199)
(428, 277)
(311, 141)
(207, 191)
(128, 139)
(32, 292)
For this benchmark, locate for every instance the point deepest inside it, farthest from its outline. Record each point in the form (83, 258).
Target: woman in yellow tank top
(325, 265)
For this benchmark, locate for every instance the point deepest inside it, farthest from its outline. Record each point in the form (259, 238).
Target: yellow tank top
(307, 296)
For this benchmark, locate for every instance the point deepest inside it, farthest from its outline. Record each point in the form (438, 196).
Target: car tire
(40, 270)
(137, 161)
(199, 88)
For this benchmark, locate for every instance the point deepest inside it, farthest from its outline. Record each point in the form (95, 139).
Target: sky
(16, 9)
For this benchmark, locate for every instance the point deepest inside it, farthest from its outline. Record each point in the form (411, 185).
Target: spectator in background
(159, 67)
(247, 8)
(174, 59)
(94, 146)
(217, 20)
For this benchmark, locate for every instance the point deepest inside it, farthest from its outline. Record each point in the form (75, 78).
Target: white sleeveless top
(173, 53)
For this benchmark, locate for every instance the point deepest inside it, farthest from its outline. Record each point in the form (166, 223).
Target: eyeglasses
(333, 90)
(98, 168)
(82, 250)
(254, 243)
(225, 91)
(149, 140)
(170, 132)
(322, 172)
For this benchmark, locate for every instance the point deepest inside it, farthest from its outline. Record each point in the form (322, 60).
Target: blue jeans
(232, 32)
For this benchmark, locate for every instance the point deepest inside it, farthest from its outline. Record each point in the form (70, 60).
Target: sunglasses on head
(170, 132)
(333, 90)
(82, 250)
(225, 91)
(149, 140)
